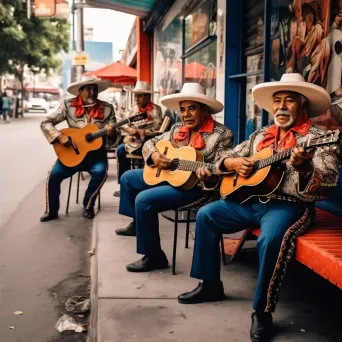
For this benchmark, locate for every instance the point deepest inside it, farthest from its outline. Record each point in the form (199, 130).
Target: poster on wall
(306, 37)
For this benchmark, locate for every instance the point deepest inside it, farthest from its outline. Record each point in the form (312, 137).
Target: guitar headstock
(326, 139)
(138, 117)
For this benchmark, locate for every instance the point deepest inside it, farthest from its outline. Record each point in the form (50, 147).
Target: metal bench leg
(187, 229)
(78, 186)
(67, 206)
(175, 244)
(99, 201)
(222, 251)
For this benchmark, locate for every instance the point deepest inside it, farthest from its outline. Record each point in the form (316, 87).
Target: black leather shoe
(48, 217)
(203, 293)
(116, 194)
(89, 213)
(129, 231)
(147, 264)
(262, 329)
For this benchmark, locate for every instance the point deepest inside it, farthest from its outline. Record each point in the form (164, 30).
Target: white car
(37, 104)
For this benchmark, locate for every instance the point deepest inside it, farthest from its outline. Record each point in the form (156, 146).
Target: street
(42, 264)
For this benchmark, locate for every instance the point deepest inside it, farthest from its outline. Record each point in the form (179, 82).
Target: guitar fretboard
(189, 165)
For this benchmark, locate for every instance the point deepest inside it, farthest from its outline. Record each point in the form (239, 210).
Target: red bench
(320, 248)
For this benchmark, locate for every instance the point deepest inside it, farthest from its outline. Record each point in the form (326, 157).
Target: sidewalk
(143, 307)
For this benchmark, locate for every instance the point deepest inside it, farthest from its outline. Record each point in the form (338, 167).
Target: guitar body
(261, 183)
(177, 178)
(67, 155)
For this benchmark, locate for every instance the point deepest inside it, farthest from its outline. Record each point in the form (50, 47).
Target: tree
(33, 42)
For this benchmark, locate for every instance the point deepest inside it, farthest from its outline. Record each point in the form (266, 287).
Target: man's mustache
(282, 112)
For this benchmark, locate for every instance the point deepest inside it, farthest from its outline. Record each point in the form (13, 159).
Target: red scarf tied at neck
(96, 111)
(271, 136)
(197, 142)
(148, 108)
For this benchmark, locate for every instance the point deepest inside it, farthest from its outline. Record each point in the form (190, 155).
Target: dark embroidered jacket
(66, 112)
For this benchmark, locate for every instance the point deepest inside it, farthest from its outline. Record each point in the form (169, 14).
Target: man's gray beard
(283, 112)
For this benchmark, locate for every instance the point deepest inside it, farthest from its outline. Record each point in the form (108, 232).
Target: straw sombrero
(319, 99)
(86, 80)
(192, 92)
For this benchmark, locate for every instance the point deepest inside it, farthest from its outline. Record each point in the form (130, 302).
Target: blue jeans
(95, 163)
(124, 163)
(224, 216)
(143, 202)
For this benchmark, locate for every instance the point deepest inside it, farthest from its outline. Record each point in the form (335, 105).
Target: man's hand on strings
(160, 161)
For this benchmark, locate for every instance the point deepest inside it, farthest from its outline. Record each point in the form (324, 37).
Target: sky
(108, 26)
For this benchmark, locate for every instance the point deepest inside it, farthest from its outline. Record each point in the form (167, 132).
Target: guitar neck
(102, 132)
(189, 165)
(280, 156)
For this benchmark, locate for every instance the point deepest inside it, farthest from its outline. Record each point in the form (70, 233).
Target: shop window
(200, 67)
(167, 58)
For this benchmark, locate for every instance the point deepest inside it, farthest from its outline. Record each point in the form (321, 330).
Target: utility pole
(80, 38)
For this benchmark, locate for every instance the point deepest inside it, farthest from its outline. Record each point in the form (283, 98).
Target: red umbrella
(116, 73)
(194, 70)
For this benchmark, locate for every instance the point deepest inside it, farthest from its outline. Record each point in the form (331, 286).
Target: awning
(140, 8)
(42, 88)
(117, 73)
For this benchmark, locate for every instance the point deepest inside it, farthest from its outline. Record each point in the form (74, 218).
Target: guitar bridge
(235, 179)
(74, 147)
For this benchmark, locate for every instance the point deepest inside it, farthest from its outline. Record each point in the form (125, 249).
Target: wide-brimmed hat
(86, 80)
(191, 92)
(319, 99)
(141, 87)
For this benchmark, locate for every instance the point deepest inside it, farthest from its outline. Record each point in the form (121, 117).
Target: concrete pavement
(143, 307)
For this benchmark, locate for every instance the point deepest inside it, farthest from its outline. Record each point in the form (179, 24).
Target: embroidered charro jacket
(216, 143)
(66, 112)
(151, 124)
(324, 162)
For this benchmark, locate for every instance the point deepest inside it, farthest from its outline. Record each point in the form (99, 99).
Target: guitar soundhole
(89, 137)
(174, 164)
(255, 168)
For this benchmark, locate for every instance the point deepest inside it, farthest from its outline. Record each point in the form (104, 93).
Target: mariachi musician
(79, 111)
(143, 202)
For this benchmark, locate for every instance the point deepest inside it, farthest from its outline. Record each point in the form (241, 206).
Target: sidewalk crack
(143, 284)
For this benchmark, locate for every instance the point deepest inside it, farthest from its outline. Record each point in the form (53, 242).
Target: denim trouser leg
(124, 163)
(224, 216)
(53, 186)
(97, 168)
(143, 203)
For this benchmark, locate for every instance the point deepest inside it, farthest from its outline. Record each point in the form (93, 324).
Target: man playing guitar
(283, 215)
(143, 202)
(79, 111)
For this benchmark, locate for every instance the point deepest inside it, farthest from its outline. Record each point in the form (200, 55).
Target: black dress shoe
(203, 293)
(89, 213)
(129, 231)
(262, 329)
(48, 217)
(147, 264)
(116, 194)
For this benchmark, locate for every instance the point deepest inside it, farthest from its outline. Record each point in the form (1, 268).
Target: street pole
(80, 39)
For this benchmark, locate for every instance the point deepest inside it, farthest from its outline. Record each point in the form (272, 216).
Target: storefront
(268, 38)
(186, 48)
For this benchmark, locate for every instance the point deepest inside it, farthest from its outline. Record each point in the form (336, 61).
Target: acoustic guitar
(185, 161)
(268, 172)
(86, 139)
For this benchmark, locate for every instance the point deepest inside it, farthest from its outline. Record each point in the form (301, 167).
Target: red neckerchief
(271, 136)
(148, 108)
(197, 142)
(96, 111)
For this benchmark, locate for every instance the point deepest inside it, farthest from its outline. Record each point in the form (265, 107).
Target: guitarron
(185, 161)
(84, 140)
(268, 171)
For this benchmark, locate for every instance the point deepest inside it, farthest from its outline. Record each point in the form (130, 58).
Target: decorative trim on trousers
(47, 206)
(286, 254)
(97, 190)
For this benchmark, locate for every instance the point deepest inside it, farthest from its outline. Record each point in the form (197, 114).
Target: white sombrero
(86, 80)
(141, 87)
(319, 99)
(191, 92)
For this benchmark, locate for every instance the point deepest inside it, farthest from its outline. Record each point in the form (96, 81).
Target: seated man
(79, 111)
(142, 94)
(285, 214)
(143, 202)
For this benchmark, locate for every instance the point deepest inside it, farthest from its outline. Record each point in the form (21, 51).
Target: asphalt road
(41, 264)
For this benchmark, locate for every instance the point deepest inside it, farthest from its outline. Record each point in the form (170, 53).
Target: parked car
(37, 104)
